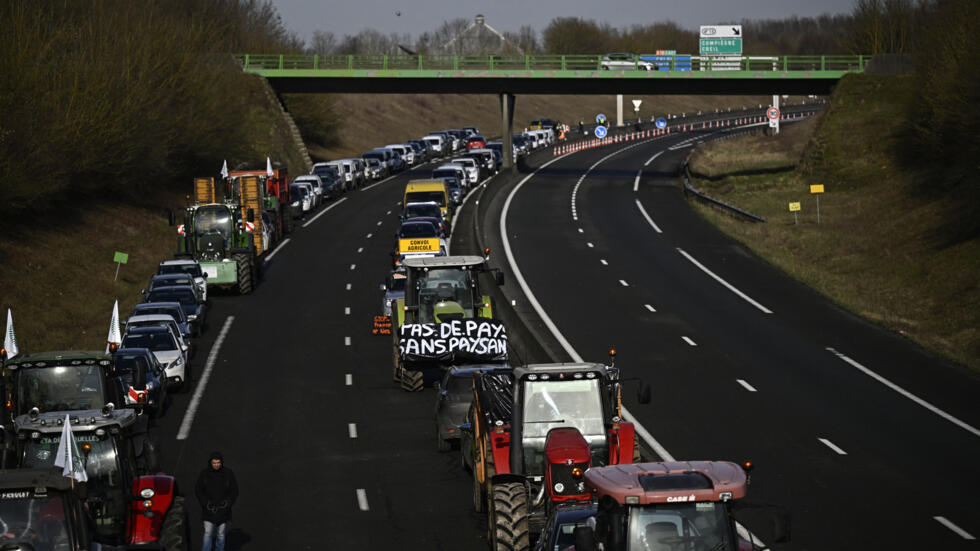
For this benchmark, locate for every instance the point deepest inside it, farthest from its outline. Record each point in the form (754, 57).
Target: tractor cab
(41, 509)
(59, 381)
(212, 230)
(440, 289)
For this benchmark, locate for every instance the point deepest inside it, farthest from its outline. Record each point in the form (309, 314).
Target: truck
(444, 290)
(668, 506)
(533, 432)
(224, 237)
(275, 193)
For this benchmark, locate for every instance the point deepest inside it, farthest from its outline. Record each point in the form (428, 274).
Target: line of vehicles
(553, 463)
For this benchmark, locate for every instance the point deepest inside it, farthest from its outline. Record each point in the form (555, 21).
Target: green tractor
(444, 319)
(226, 237)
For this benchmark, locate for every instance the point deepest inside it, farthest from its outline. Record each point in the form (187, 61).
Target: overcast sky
(417, 16)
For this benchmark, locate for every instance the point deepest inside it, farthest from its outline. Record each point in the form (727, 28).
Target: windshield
(193, 270)
(184, 296)
(327, 171)
(171, 280)
(425, 196)
(153, 323)
(444, 173)
(174, 312)
(38, 521)
(679, 527)
(158, 341)
(411, 211)
(571, 403)
(63, 388)
(444, 285)
(418, 229)
(212, 220)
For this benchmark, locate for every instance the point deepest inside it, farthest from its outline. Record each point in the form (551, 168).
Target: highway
(744, 364)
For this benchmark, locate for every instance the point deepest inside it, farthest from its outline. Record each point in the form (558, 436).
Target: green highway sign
(722, 46)
(121, 258)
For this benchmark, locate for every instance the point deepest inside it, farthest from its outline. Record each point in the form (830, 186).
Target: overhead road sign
(721, 31)
(721, 40)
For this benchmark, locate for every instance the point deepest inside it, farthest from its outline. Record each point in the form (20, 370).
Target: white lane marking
(907, 394)
(378, 183)
(452, 229)
(281, 245)
(389, 212)
(590, 245)
(689, 341)
(202, 383)
(360, 249)
(362, 503)
(348, 379)
(379, 222)
(747, 386)
(680, 146)
(352, 429)
(324, 211)
(636, 182)
(347, 310)
(650, 160)
(603, 260)
(648, 307)
(353, 266)
(959, 531)
(369, 235)
(346, 341)
(623, 283)
(591, 168)
(348, 286)
(832, 446)
(650, 221)
(729, 286)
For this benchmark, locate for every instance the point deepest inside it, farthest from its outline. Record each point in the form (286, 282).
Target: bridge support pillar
(507, 128)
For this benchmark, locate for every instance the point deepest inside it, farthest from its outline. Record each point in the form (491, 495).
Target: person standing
(216, 491)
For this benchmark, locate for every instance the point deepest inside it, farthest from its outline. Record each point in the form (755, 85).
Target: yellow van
(422, 191)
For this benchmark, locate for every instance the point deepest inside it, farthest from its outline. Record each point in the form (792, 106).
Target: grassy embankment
(883, 248)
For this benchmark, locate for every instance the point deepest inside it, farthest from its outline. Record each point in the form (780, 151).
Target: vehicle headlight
(191, 317)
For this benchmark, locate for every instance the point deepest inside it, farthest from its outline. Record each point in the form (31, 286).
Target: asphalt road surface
(744, 363)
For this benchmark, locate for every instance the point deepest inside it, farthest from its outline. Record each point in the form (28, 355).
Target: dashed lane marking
(959, 531)
(348, 379)
(324, 211)
(636, 182)
(580, 230)
(362, 502)
(590, 245)
(353, 266)
(346, 341)
(276, 251)
(689, 341)
(648, 307)
(623, 283)
(603, 260)
(907, 394)
(650, 160)
(650, 221)
(378, 183)
(729, 286)
(379, 222)
(747, 386)
(202, 383)
(352, 429)
(360, 249)
(369, 235)
(348, 286)
(832, 446)
(347, 310)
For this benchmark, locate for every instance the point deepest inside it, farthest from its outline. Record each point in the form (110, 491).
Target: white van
(435, 142)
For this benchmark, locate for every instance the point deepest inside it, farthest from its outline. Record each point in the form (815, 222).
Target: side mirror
(498, 277)
(466, 427)
(585, 539)
(204, 275)
(251, 215)
(171, 218)
(184, 347)
(643, 394)
(139, 378)
(383, 287)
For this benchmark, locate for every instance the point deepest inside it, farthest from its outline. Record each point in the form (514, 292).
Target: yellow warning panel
(419, 245)
(816, 188)
(793, 207)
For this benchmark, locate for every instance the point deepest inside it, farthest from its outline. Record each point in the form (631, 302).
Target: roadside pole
(619, 109)
(774, 123)
(507, 125)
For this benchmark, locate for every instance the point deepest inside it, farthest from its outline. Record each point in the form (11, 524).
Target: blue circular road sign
(661, 123)
(600, 131)
(600, 119)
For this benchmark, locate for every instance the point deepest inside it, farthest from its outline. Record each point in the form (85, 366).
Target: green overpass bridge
(508, 75)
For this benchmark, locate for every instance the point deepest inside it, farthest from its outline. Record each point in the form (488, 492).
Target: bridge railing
(517, 63)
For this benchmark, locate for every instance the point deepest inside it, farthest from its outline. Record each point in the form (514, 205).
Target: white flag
(224, 169)
(69, 458)
(9, 339)
(268, 167)
(115, 335)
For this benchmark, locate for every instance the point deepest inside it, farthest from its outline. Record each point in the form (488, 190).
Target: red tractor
(275, 195)
(533, 432)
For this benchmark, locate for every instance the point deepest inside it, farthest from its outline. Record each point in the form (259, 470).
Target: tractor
(440, 290)
(671, 506)
(42, 509)
(533, 432)
(226, 238)
(275, 192)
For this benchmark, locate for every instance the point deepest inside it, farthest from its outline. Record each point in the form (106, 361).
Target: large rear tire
(510, 514)
(174, 532)
(287, 220)
(244, 264)
(412, 381)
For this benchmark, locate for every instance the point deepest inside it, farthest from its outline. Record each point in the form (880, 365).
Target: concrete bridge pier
(507, 128)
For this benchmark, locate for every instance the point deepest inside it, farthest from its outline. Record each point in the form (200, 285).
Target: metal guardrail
(516, 63)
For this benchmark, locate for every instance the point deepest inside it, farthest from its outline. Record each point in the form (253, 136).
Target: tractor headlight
(147, 493)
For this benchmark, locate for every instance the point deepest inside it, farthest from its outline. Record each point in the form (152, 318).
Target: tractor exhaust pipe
(539, 500)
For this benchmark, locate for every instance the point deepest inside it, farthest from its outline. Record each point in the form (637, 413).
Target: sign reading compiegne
(477, 339)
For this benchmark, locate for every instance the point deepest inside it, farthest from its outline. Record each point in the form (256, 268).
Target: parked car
(161, 320)
(327, 170)
(153, 398)
(471, 168)
(162, 342)
(455, 189)
(452, 170)
(316, 183)
(171, 309)
(194, 310)
(622, 61)
(436, 143)
(172, 279)
(405, 152)
(393, 289)
(453, 401)
(186, 266)
(302, 199)
(476, 142)
(376, 170)
(386, 156)
(559, 528)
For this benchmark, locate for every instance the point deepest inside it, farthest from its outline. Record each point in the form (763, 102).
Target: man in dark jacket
(216, 491)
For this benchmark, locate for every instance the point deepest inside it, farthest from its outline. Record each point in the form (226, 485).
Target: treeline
(119, 98)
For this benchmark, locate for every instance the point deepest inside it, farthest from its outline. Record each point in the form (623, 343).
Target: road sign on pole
(600, 119)
(636, 104)
(600, 131)
(773, 113)
(817, 189)
(661, 123)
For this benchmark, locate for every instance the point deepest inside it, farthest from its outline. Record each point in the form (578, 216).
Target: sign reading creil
(476, 339)
(419, 245)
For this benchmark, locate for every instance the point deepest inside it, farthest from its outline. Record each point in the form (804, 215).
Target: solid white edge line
(362, 502)
(324, 211)
(689, 341)
(907, 394)
(832, 446)
(348, 379)
(729, 286)
(352, 430)
(378, 183)
(636, 182)
(202, 382)
(452, 228)
(650, 160)
(959, 531)
(276, 250)
(747, 386)
(643, 211)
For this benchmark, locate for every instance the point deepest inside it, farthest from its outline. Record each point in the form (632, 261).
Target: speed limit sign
(773, 113)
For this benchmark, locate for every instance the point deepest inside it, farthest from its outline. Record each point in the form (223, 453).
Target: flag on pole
(69, 458)
(268, 167)
(9, 339)
(224, 169)
(115, 335)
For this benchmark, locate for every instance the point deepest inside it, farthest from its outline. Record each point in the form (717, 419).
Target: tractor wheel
(509, 515)
(244, 273)
(175, 531)
(412, 381)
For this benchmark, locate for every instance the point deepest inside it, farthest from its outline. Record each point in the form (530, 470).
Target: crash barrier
(707, 199)
(622, 137)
